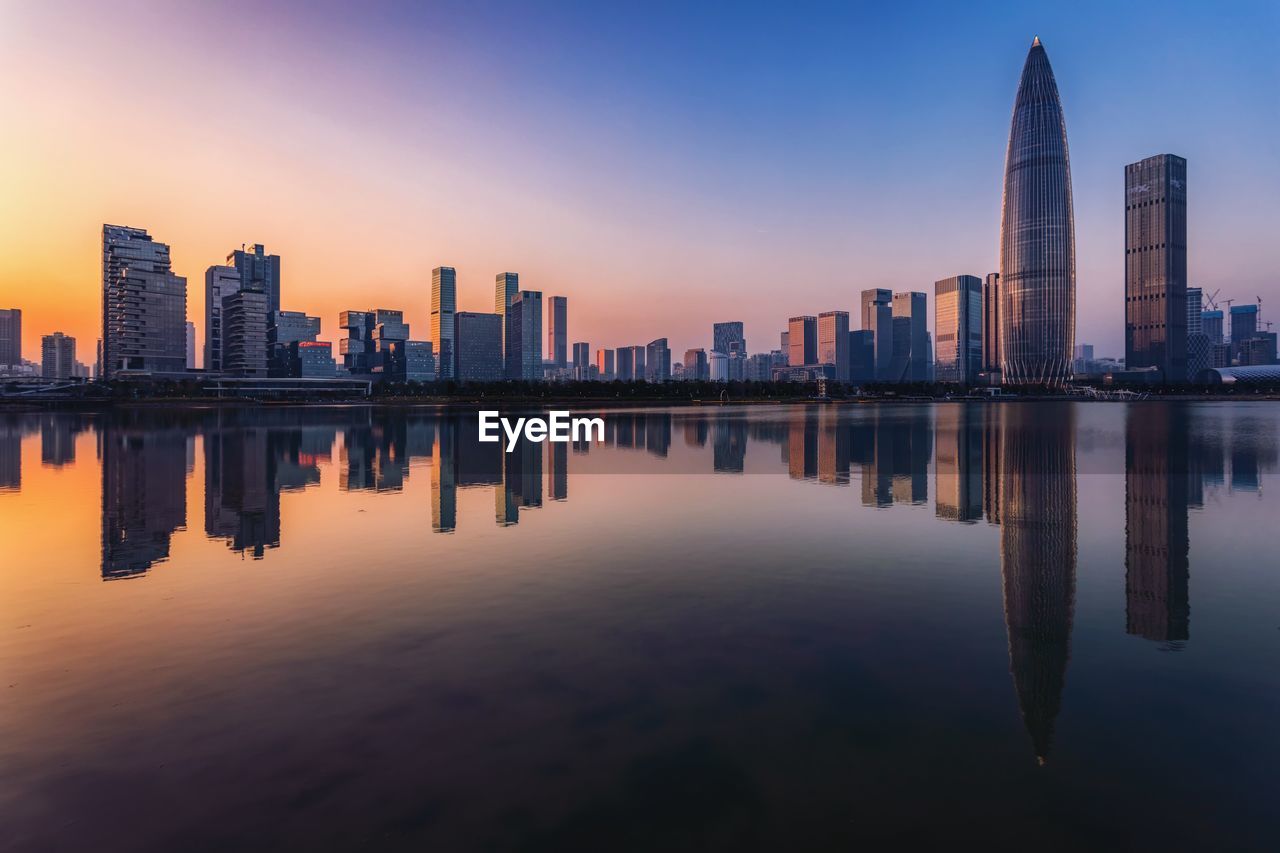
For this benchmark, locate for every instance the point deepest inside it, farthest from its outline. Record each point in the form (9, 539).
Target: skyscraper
(605, 365)
(219, 282)
(991, 323)
(581, 360)
(1197, 340)
(191, 345)
(1037, 235)
(477, 347)
(244, 333)
(833, 342)
(11, 336)
(877, 318)
(444, 304)
(524, 336)
(658, 361)
(626, 361)
(723, 335)
(144, 305)
(1155, 266)
(557, 333)
(802, 337)
(957, 321)
(57, 356)
(506, 286)
(910, 360)
(259, 270)
(696, 367)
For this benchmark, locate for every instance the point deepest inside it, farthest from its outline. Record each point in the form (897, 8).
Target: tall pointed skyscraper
(1037, 235)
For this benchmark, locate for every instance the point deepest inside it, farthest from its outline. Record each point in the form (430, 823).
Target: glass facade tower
(1155, 266)
(1037, 235)
(444, 305)
(957, 323)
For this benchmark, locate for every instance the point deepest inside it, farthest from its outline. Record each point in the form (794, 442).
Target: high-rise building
(991, 323)
(1037, 235)
(244, 333)
(1197, 341)
(58, 356)
(524, 336)
(802, 336)
(605, 365)
(478, 347)
(1155, 266)
(626, 360)
(356, 348)
(444, 304)
(696, 367)
(833, 342)
(1244, 325)
(10, 336)
(862, 356)
(219, 282)
(724, 335)
(639, 364)
(144, 305)
(785, 346)
(581, 360)
(718, 367)
(877, 318)
(658, 361)
(1211, 323)
(910, 360)
(506, 286)
(957, 322)
(285, 328)
(258, 270)
(558, 332)
(191, 345)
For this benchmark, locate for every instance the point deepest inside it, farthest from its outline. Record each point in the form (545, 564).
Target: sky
(663, 165)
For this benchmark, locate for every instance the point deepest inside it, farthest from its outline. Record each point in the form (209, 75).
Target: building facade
(144, 305)
(444, 304)
(1037, 235)
(725, 335)
(696, 367)
(910, 359)
(877, 318)
(605, 368)
(523, 349)
(802, 338)
(557, 331)
(1155, 266)
(991, 323)
(506, 286)
(833, 342)
(219, 282)
(581, 360)
(244, 333)
(478, 346)
(57, 356)
(658, 361)
(10, 336)
(957, 324)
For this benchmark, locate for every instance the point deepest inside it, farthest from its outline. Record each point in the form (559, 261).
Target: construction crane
(1211, 300)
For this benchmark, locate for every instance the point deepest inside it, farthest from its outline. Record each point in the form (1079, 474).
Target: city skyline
(831, 229)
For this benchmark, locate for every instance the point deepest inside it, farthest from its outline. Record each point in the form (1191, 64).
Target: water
(1036, 624)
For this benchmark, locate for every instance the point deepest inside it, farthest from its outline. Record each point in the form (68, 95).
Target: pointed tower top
(1035, 42)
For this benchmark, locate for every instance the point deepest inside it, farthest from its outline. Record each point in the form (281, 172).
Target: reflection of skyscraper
(10, 455)
(1156, 538)
(833, 448)
(1038, 557)
(444, 478)
(559, 453)
(729, 443)
(1037, 235)
(58, 439)
(522, 481)
(893, 448)
(802, 443)
(957, 473)
(241, 498)
(144, 497)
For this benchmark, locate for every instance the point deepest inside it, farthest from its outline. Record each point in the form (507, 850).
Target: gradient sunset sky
(664, 165)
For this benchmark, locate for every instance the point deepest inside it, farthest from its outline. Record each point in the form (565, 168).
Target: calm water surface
(1039, 625)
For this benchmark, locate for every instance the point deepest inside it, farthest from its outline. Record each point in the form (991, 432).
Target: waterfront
(751, 627)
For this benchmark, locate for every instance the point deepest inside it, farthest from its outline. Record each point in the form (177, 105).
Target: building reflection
(1157, 544)
(1038, 558)
(10, 453)
(144, 495)
(958, 469)
(58, 434)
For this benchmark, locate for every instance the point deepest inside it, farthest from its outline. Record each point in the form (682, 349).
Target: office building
(523, 346)
(910, 359)
(1197, 341)
(785, 345)
(658, 361)
(581, 361)
(356, 349)
(957, 322)
(877, 318)
(802, 336)
(626, 362)
(991, 323)
(10, 336)
(284, 329)
(444, 304)
(833, 342)
(1037, 235)
(1244, 325)
(639, 365)
(718, 367)
(256, 269)
(1155, 266)
(219, 282)
(1211, 323)
(506, 286)
(862, 356)
(478, 347)
(725, 335)
(605, 370)
(244, 333)
(696, 366)
(144, 305)
(311, 360)
(57, 356)
(191, 345)
(557, 331)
